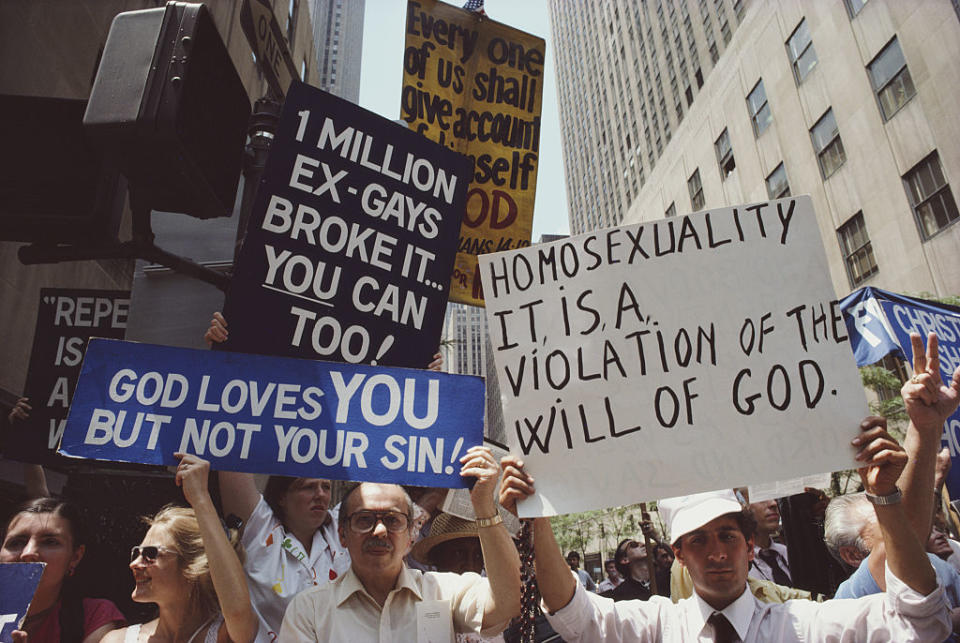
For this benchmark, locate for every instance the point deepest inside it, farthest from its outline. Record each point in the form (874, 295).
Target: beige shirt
(343, 610)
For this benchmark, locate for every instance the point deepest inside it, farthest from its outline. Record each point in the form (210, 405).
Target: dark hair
(71, 598)
(353, 486)
(620, 553)
(745, 522)
(277, 487)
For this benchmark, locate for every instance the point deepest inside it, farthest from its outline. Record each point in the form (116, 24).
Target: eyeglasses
(364, 521)
(150, 553)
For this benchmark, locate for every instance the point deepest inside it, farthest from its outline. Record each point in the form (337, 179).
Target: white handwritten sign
(672, 357)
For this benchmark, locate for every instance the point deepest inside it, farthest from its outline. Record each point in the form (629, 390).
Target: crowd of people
(285, 564)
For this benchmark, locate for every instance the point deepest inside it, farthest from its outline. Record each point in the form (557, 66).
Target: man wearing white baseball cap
(713, 538)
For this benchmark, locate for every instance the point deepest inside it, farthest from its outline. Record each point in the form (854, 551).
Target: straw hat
(445, 527)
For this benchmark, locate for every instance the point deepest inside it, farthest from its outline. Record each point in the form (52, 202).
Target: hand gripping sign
(142, 403)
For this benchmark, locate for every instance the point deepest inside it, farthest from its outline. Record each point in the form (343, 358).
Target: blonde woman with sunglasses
(191, 567)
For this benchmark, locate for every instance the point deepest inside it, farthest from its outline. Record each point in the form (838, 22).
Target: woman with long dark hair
(48, 530)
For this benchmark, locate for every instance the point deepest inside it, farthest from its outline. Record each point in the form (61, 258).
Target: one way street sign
(268, 44)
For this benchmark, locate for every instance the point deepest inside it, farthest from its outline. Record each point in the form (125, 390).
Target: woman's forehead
(158, 534)
(34, 523)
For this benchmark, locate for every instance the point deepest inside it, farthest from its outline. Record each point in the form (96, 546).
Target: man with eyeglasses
(380, 599)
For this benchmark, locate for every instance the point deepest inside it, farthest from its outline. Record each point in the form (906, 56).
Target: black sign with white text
(351, 242)
(66, 319)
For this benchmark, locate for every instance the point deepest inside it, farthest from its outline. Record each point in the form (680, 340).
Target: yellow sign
(476, 86)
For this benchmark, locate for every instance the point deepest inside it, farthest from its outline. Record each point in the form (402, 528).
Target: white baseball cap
(686, 513)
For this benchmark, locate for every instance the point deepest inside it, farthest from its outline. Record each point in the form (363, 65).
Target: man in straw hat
(452, 546)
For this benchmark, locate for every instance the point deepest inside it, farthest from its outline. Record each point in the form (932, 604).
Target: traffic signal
(168, 107)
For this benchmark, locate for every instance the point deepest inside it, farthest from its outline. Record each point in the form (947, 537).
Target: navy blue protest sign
(66, 318)
(880, 323)
(18, 582)
(142, 403)
(351, 241)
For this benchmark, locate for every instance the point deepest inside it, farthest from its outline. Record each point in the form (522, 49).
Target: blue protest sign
(142, 403)
(351, 241)
(18, 582)
(880, 322)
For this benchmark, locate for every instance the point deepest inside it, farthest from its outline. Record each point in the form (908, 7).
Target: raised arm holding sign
(712, 541)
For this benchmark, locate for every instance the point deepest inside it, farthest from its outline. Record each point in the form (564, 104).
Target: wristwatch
(489, 522)
(889, 499)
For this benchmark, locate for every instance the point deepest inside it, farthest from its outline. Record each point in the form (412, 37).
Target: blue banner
(142, 403)
(18, 582)
(880, 323)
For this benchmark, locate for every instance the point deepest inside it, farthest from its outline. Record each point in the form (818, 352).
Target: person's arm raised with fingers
(884, 460)
(929, 402)
(554, 579)
(500, 558)
(226, 571)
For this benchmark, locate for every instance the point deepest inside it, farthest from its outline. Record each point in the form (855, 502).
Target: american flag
(476, 6)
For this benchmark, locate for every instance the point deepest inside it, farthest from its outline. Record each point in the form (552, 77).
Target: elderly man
(713, 539)
(380, 599)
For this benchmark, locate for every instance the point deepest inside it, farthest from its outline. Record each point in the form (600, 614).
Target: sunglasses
(150, 553)
(364, 521)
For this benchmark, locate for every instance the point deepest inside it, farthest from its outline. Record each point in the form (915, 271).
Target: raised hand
(479, 463)
(882, 456)
(192, 474)
(218, 330)
(516, 485)
(929, 402)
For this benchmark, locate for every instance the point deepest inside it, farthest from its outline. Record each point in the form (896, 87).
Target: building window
(854, 6)
(827, 144)
(857, 250)
(803, 57)
(930, 196)
(725, 154)
(759, 109)
(671, 211)
(891, 79)
(777, 185)
(695, 188)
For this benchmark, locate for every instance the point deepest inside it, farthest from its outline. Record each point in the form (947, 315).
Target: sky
(382, 74)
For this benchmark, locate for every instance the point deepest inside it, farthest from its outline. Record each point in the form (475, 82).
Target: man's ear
(750, 546)
(341, 535)
(677, 554)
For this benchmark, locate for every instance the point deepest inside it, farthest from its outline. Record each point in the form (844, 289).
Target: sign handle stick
(648, 544)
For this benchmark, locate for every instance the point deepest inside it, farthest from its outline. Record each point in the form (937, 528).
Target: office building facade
(854, 102)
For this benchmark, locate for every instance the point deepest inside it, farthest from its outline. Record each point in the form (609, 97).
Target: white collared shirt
(900, 614)
(761, 570)
(343, 610)
(278, 566)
